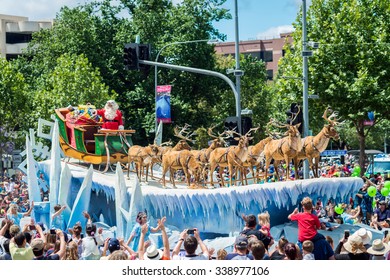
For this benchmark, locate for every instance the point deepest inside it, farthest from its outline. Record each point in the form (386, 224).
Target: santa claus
(112, 116)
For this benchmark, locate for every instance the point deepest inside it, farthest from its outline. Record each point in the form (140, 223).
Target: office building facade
(16, 32)
(270, 51)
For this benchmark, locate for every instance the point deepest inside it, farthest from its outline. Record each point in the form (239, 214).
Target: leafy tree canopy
(350, 69)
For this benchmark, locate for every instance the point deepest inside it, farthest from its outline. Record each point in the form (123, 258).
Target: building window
(266, 56)
(17, 38)
(253, 54)
(10, 57)
(270, 74)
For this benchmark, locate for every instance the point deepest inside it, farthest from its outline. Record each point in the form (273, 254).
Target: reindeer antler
(328, 109)
(185, 130)
(332, 118)
(219, 136)
(211, 133)
(250, 130)
(273, 134)
(295, 114)
(276, 123)
(168, 143)
(232, 131)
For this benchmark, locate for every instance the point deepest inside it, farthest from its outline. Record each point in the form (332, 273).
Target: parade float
(113, 200)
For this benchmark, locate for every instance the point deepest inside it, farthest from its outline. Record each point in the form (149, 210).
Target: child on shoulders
(265, 225)
(308, 223)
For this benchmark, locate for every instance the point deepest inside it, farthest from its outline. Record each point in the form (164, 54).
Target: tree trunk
(362, 146)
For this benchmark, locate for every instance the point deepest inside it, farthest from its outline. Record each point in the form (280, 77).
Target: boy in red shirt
(308, 223)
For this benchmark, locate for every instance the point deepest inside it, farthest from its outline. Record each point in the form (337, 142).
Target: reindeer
(181, 145)
(313, 146)
(256, 156)
(175, 160)
(141, 156)
(203, 156)
(284, 149)
(163, 148)
(230, 156)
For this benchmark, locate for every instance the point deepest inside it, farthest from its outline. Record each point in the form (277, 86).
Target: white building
(16, 32)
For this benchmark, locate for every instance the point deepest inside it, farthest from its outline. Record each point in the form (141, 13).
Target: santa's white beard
(110, 114)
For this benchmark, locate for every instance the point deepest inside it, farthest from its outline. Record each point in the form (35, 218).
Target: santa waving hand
(112, 116)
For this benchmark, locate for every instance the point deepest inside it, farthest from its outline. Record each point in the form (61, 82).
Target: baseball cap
(37, 244)
(241, 242)
(113, 245)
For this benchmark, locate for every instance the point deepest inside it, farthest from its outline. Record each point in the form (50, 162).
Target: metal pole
(199, 71)
(305, 87)
(237, 56)
(155, 71)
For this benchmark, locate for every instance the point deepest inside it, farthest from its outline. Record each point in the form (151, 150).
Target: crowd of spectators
(13, 191)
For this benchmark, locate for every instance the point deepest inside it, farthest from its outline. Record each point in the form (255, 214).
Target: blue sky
(258, 19)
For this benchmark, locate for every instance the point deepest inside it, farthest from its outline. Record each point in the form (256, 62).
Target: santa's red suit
(112, 116)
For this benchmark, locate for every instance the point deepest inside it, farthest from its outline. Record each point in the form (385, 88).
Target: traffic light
(144, 54)
(130, 56)
(231, 123)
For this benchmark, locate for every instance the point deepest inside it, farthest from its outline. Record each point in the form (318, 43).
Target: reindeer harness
(177, 161)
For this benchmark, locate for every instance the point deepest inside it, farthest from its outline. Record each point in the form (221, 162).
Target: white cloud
(274, 32)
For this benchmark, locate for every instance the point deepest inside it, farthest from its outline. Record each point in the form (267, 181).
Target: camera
(346, 234)
(385, 233)
(190, 231)
(53, 231)
(31, 227)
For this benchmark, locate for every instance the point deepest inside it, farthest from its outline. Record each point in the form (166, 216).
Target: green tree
(350, 69)
(14, 105)
(73, 81)
(255, 92)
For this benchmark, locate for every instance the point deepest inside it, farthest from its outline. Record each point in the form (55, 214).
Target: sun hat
(152, 253)
(365, 235)
(378, 248)
(354, 244)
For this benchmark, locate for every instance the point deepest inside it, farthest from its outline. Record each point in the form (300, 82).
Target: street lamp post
(237, 71)
(156, 60)
(305, 83)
